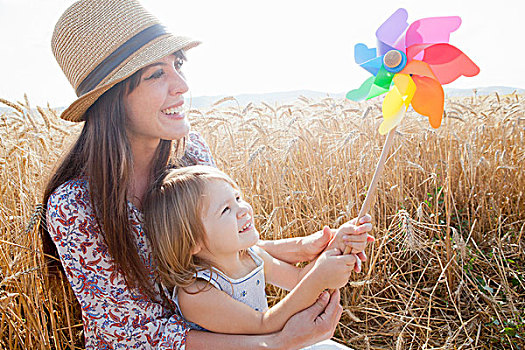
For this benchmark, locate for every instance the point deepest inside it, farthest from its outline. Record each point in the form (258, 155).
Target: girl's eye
(238, 198)
(225, 210)
(156, 75)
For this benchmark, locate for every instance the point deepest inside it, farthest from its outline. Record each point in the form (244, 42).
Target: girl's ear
(195, 250)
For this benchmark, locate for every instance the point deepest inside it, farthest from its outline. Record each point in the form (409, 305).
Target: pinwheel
(410, 64)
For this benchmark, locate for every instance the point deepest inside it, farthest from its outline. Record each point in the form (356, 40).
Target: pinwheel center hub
(394, 61)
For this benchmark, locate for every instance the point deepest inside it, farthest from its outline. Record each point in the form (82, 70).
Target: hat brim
(153, 51)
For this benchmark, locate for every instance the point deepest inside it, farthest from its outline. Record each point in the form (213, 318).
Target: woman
(125, 69)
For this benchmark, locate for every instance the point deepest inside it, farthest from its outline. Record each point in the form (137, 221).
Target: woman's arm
(297, 249)
(305, 328)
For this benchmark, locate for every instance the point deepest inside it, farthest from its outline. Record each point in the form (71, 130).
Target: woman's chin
(178, 133)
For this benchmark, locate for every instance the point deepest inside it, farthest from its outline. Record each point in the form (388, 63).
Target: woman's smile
(174, 112)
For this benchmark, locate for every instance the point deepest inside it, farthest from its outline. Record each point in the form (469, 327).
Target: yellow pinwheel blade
(406, 87)
(396, 102)
(393, 120)
(392, 102)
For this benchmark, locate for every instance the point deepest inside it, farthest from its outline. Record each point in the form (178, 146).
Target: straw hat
(99, 43)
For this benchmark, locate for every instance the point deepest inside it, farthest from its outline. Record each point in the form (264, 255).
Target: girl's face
(227, 219)
(154, 107)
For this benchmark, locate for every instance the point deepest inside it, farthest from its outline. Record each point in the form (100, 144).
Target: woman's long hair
(103, 155)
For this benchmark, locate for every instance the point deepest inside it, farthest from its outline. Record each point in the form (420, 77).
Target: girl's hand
(332, 269)
(354, 236)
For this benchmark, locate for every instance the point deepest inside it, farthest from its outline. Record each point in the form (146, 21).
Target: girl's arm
(209, 306)
(299, 249)
(305, 328)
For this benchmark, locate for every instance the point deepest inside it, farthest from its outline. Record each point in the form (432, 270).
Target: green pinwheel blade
(375, 91)
(381, 83)
(362, 92)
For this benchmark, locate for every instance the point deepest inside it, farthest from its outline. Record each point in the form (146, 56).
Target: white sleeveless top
(248, 289)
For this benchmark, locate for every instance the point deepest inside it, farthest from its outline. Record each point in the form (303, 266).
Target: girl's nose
(244, 209)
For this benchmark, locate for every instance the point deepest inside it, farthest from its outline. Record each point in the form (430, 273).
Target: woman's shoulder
(74, 191)
(198, 149)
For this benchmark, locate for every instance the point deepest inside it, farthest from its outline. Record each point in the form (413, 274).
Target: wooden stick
(373, 185)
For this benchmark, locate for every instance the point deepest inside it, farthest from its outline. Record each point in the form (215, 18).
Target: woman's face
(154, 107)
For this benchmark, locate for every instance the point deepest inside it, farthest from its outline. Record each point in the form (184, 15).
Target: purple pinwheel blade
(391, 31)
(431, 30)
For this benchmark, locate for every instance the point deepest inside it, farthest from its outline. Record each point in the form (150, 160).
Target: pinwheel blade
(362, 92)
(396, 102)
(367, 58)
(429, 99)
(384, 78)
(394, 110)
(446, 61)
(418, 68)
(363, 53)
(406, 87)
(381, 84)
(431, 30)
(391, 32)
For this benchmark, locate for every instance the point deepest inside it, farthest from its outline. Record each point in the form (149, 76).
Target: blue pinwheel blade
(374, 65)
(362, 53)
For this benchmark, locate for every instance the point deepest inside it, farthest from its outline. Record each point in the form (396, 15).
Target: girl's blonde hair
(173, 221)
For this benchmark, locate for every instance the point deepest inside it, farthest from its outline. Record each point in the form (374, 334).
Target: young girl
(204, 237)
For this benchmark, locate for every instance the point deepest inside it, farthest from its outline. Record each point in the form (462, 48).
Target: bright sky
(267, 46)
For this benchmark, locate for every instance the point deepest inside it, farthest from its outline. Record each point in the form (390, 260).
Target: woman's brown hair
(102, 154)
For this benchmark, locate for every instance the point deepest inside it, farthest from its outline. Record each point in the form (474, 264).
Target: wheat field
(447, 269)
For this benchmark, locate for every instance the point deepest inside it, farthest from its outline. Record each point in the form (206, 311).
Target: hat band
(118, 56)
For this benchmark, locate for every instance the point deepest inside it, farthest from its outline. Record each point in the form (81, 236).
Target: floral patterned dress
(114, 316)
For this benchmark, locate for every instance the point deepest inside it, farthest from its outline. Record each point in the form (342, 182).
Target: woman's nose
(178, 85)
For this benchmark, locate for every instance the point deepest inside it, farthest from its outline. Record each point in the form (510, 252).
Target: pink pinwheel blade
(446, 61)
(431, 30)
(391, 31)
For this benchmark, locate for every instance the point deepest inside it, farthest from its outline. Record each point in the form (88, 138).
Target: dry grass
(446, 270)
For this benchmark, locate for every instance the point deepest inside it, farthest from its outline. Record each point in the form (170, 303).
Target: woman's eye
(178, 64)
(156, 75)
(238, 198)
(225, 210)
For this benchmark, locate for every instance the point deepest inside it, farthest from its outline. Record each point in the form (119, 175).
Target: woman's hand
(298, 249)
(314, 324)
(314, 244)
